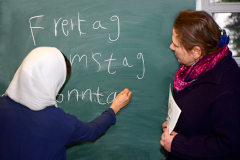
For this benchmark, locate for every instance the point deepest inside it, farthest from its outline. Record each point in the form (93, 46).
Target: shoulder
(59, 114)
(223, 78)
(226, 72)
(231, 76)
(228, 78)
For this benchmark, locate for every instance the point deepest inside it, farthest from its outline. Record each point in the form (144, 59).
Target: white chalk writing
(31, 28)
(65, 22)
(63, 26)
(139, 56)
(97, 94)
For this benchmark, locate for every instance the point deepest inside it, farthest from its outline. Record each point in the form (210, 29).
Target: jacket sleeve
(221, 140)
(89, 131)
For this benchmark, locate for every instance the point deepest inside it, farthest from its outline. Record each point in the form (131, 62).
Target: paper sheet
(173, 112)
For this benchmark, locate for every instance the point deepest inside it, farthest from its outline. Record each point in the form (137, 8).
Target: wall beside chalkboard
(111, 45)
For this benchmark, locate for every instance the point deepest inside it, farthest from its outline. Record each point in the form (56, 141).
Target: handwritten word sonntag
(65, 24)
(98, 95)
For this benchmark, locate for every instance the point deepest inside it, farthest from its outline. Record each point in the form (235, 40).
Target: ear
(197, 52)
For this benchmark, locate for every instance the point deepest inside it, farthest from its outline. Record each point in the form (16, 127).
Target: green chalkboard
(112, 45)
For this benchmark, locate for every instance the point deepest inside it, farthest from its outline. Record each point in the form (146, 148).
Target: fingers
(121, 100)
(130, 94)
(173, 133)
(166, 140)
(164, 126)
(161, 142)
(127, 92)
(165, 133)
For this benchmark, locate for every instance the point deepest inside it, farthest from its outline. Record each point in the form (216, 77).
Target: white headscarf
(38, 79)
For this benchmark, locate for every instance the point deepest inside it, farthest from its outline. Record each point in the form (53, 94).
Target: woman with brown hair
(207, 90)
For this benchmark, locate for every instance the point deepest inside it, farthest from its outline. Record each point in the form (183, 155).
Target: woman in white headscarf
(31, 125)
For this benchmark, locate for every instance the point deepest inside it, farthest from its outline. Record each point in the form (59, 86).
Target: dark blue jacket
(209, 125)
(42, 135)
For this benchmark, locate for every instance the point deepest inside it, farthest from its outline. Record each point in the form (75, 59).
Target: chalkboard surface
(111, 45)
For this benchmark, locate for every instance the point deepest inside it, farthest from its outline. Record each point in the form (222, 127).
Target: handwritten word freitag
(64, 24)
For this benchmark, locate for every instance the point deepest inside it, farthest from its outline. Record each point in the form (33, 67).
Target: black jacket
(209, 125)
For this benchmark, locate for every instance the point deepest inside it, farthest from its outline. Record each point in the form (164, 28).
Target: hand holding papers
(173, 112)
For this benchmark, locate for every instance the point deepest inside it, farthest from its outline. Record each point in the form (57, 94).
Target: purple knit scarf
(187, 74)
